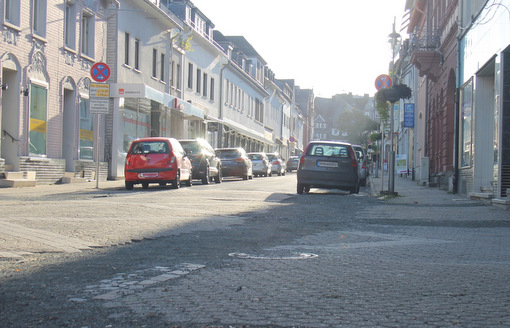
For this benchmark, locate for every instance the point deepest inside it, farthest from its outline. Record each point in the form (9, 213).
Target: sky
(330, 46)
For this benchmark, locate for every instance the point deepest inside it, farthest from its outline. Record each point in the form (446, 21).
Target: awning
(241, 129)
(140, 90)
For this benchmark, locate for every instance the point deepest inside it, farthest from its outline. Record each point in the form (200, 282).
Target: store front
(140, 111)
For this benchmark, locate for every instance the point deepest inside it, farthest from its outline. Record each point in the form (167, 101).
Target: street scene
(218, 164)
(251, 254)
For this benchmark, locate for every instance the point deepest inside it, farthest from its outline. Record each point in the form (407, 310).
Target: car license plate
(149, 175)
(327, 164)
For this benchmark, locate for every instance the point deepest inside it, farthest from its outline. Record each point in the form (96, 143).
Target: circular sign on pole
(383, 81)
(100, 72)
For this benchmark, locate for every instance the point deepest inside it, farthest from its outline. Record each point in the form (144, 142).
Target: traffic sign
(383, 81)
(100, 72)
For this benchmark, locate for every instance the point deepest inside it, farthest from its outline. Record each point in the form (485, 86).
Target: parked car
(157, 160)
(292, 163)
(362, 159)
(330, 165)
(278, 165)
(206, 165)
(235, 163)
(261, 164)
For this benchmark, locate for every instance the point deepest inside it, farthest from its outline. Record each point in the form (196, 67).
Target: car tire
(162, 184)
(219, 177)
(363, 182)
(280, 173)
(145, 185)
(176, 183)
(300, 188)
(189, 182)
(206, 178)
(129, 185)
(354, 190)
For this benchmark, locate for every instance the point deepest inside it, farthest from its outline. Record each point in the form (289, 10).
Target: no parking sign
(383, 81)
(100, 72)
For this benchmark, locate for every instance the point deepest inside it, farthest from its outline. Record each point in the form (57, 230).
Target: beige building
(47, 50)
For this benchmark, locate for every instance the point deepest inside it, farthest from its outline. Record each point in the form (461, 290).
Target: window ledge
(13, 26)
(40, 38)
(84, 56)
(67, 49)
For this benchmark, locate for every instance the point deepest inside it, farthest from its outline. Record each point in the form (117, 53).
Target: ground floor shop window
(466, 140)
(38, 119)
(137, 120)
(86, 131)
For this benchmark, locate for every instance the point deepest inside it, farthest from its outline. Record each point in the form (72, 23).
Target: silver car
(278, 165)
(261, 164)
(362, 159)
(330, 165)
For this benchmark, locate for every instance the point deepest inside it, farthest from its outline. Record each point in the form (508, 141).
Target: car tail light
(275, 163)
(354, 159)
(171, 161)
(238, 160)
(302, 158)
(364, 165)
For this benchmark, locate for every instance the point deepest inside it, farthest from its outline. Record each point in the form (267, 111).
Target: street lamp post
(395, 40)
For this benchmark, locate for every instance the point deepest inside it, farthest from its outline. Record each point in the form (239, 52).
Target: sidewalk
(410, 192)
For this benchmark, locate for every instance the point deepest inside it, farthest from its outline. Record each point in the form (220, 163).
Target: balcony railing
(425, 41)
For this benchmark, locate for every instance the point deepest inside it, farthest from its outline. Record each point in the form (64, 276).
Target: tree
(354, 126)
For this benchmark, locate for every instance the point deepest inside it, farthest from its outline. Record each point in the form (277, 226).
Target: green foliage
(383, 108)
(186, 44)
(354, 126)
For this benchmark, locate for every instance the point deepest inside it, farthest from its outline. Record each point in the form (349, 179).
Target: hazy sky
(330, 46)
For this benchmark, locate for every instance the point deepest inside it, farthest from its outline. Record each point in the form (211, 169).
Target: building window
(39, 17)
(211, 92)
(466, 140)
(199, 79)
(190, 75)
(38, 119)
(178, 76)
(154, 62)
(137, 54)
(70, 26)
(259, 111)
(162, 68)
(204, 89)
(12, 11)
(126, 48)
(87, 34)
(86, 131)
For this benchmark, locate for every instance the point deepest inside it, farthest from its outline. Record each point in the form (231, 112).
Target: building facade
(46, 124)
(170, 74)
(484, 101)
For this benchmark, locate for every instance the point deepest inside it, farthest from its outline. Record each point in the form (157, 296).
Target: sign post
(99, 94)
(383, 81)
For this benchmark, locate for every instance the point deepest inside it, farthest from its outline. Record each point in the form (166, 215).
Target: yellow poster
(37, 125)
(86, 135)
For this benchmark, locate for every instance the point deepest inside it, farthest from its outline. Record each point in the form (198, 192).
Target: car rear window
(255, 157)
(191, 146)
(149, 147)
(224, 154)
(328, 150)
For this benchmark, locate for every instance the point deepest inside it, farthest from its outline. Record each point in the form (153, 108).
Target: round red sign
(383, 81)
(100, 72)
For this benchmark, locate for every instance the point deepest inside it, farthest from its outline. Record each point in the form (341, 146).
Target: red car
(157, 160)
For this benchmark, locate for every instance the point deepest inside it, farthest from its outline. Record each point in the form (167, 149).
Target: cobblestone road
(327, 259)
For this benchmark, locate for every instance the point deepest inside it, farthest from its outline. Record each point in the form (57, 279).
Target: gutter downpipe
(220, 134)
